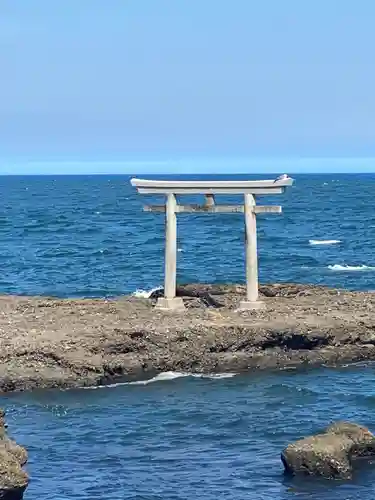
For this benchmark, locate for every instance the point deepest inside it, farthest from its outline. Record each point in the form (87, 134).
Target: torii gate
(248, 189)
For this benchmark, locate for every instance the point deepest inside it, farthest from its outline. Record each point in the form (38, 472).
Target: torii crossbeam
(210, 189)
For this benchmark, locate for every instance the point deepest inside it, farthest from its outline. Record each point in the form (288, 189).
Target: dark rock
(13, 480)
(330, 453)
(200, 292)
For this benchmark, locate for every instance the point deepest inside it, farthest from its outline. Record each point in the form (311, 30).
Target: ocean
(179, 437)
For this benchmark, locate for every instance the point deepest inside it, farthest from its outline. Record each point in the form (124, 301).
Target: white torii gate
(248, 189)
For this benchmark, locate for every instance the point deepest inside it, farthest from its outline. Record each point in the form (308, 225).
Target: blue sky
(171, 80)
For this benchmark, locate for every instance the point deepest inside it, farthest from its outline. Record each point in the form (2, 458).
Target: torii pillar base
(165, 304)
(247, 305)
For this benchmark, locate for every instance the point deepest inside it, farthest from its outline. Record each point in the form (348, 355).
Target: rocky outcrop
(331, 453)
(13, 479)
(48, 342)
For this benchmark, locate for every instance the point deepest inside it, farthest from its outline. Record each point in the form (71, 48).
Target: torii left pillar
(170, 301)
(251, 253)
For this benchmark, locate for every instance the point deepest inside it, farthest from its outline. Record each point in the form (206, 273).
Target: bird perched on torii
(282, 177)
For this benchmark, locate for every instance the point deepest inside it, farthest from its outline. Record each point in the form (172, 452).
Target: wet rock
(329, 454)
(201, 292)
(13, 479)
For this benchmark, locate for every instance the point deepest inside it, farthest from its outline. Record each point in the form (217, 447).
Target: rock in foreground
(329, 454)
(13, 479)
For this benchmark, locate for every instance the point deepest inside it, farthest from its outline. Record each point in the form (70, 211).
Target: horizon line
(214, 165)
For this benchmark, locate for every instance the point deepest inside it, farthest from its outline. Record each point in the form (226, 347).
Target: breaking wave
(324, 242)
(165, 376)
(146, 294)
(338, 267)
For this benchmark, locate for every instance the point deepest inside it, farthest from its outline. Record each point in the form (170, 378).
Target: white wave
(338, 267)
(146, 294)
(324, 242)
(212, 376)
(165, 376)
(180, 249)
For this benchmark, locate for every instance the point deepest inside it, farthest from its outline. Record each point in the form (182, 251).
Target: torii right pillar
(251, 254)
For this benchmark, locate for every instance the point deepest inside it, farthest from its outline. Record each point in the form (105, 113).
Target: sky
(185, 84)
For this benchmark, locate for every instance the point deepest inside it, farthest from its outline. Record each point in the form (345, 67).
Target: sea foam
(324, 242)
(166, 376)
(338, 267)
(146, 294)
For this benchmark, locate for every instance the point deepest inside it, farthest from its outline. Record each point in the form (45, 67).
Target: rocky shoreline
(49, 342)
(13, 479)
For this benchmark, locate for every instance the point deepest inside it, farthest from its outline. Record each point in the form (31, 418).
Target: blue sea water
(179, 438)
(88, 236)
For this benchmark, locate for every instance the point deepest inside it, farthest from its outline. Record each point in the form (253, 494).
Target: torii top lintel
(261, 187)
